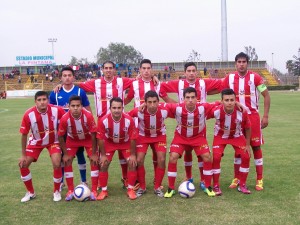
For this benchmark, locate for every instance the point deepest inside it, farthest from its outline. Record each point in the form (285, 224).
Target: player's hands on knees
(94, 159)
(57, 88)
(67, 159)
(132, 161)
(22, 161)
(103, 161)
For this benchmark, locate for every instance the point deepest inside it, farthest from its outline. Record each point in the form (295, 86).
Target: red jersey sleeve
(133, 131)
(88, 86)
(168, 87)
(134, 112)
(25, 125)
(130, 94)
(91, 123)
(213, 84)
(61, 112)
(225, 82)
(63, 126)
(258, 80)
(171, 108)
(127, 82)
(101, 130)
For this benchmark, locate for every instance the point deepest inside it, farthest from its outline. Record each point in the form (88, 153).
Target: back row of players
(69, 128)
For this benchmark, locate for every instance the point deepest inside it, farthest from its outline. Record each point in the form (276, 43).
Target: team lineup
(64, 124)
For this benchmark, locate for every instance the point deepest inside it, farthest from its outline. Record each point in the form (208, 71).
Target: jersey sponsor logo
(237, 121)
(250, 83)
(69, 149)
(242, 92)
(125, 129)
(216, 146)
(152, 127)
(139, 146)
(109, 96)
(162, 144)
(189, 124)
(79, 131)
(205, 146)
(29, 150)
(59, 97)
(226, 127)
(52, 118)
(116, 135)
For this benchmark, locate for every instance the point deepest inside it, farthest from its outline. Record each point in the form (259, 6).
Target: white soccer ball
(82, 193)
(186, 189)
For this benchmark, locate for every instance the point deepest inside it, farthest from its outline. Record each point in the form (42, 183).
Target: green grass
(278, 203)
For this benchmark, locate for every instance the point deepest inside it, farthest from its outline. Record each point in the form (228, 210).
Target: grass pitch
(278, 203)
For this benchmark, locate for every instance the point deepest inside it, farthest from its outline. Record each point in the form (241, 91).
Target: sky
(162, 30)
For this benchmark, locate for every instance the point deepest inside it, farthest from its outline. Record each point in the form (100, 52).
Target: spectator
(51, 78)
(205, 71)
(31, 78)
(47, 77)
(19, 79)
(3, 76)
(159, 76)
(165, 76)
(169, 76)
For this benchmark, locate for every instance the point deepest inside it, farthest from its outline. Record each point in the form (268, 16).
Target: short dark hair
(148, 61)
(75, 98)
(67, 68)
(40, 93)
(189, 90)
(189, 64)
(115, 99)
(110, 62)
(227, 91)
(241, 55)
(151, 94)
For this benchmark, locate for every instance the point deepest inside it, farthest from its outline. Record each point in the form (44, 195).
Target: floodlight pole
(224, 42)
(52, 41)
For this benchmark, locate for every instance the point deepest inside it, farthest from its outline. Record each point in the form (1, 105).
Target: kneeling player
(42, 120)
(229, 127)
(152, 131)
(117, 131)
(80, 126)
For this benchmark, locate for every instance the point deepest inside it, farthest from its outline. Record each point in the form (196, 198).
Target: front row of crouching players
(117, 132)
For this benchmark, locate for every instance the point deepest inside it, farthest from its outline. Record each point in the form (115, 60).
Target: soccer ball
(186, 189)
(82, 193)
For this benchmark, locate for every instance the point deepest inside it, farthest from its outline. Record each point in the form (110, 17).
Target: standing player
(152, 132)
(61, 98)
(248, 86)
(190, 133)
(42, 120)
(137, 91)
(80, 126)
(116, 131)
(229, 127)
(203, 87)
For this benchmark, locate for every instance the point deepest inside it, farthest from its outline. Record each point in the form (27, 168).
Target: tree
(119, 53)
(293, 66)
(74, 60)
(194, 56)
(289, 66)
(251, 52)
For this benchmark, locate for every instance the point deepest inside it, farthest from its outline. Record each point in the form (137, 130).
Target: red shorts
(109, 147)
(256, 133)
(35, 152)
(73, 150)
(124, 152)
(157, 147)
(219, 149)
(199, 149)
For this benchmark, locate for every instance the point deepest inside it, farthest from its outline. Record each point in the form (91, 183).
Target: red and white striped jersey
(78, 130)
(202, 86)
(120, 132)
(151, 125)
(229, 125)
(104, 91)
(43, 126)
(191, 124)
(245, 88)
(138, 88)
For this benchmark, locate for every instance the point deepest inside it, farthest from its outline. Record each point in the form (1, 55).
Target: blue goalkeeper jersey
(62, 97)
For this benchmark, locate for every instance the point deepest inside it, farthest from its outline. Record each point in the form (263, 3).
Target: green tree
(289, 66)
(251, 52)
(119, 53)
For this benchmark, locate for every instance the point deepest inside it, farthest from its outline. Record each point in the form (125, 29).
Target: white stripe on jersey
(141, 123)
(238, 129)
(202, 122)
(127, 124)
(227, 126)
(55, 122)
(180, 90)
(178, 119)
(79, 128)
(97, 97)
(34, 128)
(190, 125)
(46, 125)
(202, 91)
